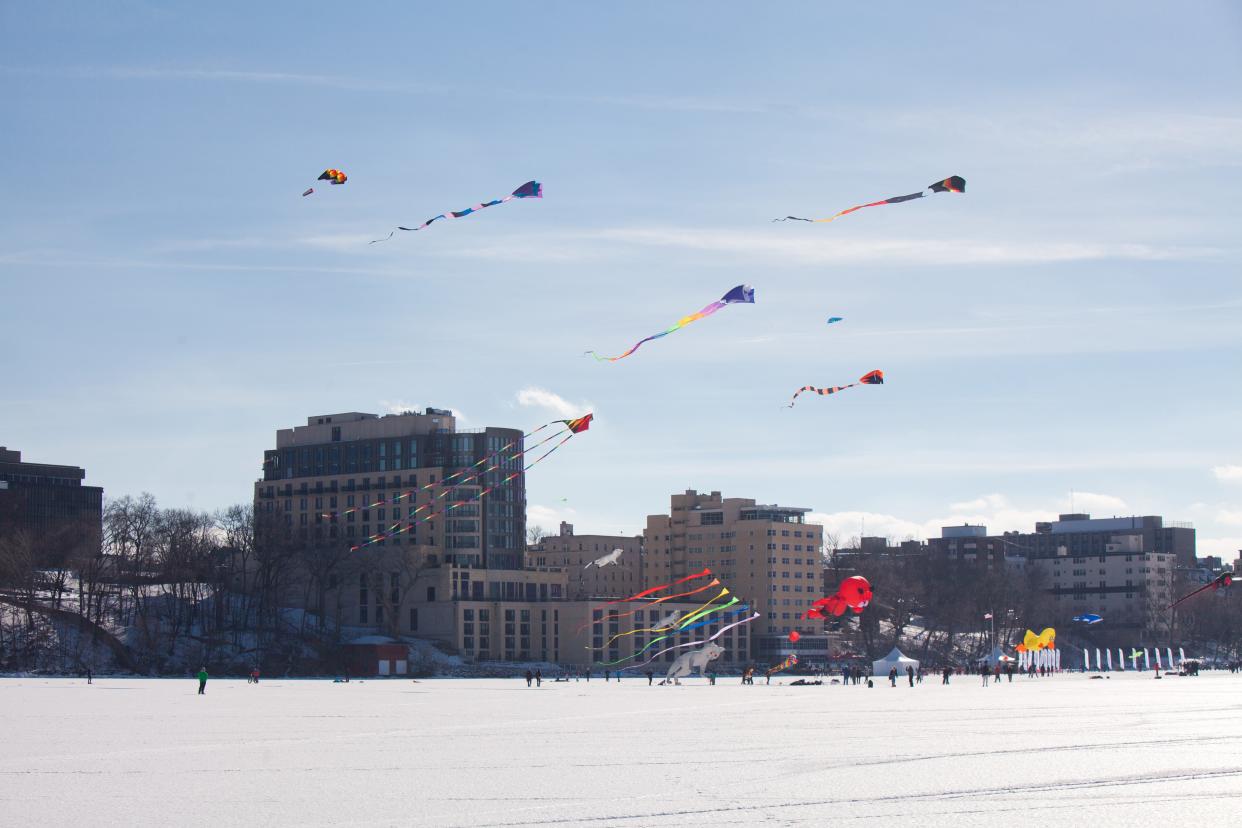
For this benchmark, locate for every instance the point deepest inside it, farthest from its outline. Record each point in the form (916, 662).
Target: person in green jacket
(202, 681)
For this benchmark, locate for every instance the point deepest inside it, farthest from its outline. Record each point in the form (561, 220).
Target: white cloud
(995, 511)
(847, 525)
(992, 501)
(401, 407)
(398, 406)
(1230, 518)
(1228, 548)
(534, 397)
(1091, 502)
(794, 246)
(1228, 474)
(548, 517)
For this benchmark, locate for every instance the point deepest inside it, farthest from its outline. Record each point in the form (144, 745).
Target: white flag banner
(1168, 651)
(1109, 655)
(1146, 660)
(1121, 659)
(1086, 659)
(1099, 662)
(1181, 656)
(1156, 650)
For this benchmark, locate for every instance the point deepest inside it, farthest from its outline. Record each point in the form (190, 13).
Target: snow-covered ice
(1069, 750)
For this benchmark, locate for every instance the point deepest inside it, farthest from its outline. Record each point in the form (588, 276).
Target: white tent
(997, 656)
(893, 659)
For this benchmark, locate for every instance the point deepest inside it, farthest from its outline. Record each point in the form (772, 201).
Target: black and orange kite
(952, 184)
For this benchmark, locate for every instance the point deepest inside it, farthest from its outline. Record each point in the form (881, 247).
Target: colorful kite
(833, 319)
(706, 573)
(1224, 579)
(1046, 640)
(708, 640)
(740, 295)
(869, 378)
(472, 473)
(531, 189)
(333, 176)
(790, 661)
(953, 184)
(1088, 618)
(853, 593)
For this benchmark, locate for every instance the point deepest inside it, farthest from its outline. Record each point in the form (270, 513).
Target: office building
(50, 506)
(576, 554)
(1120, 568)
(343, 478)
(767, 556)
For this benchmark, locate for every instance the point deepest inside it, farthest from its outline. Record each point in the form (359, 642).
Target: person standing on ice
(539, 678)
(529, 677)
(910, 674)
(202, 681)
(892, 676)
(985, 672)
(948, 671)
(650, 676)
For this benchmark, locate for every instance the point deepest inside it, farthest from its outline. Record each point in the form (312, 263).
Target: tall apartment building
(61, 516)
(1120, 568)
(342, 478)
(767, 555)
(576, 554)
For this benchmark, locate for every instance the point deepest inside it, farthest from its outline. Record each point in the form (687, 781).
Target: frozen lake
(453, 752)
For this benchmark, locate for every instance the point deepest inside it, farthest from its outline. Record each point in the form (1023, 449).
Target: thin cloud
(221, 75)
(535, 397)
(819, 250)
(1228, 474)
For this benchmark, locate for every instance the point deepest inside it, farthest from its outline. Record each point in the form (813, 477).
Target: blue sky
(168, 300)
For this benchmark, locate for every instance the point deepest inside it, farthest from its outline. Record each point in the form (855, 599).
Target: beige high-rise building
(767, 555)
(619, 575)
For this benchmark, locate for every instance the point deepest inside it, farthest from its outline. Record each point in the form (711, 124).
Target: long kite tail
(952, 184)
(531, 189)
(616, 616)
(875, 377)
(718, 633)
(823, 392)
(681, 323)
(1224, 579)
(677, 626)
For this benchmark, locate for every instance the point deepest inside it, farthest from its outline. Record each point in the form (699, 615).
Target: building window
(413, 619)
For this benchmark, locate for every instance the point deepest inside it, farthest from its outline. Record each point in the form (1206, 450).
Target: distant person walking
(996, 677)
(529, 677)
(650, 676)
(607, 675)
(89, 675)
(910, 674)
(202, 681)
(254, 676)
(539, 678)
(948, 671)
(985, 672)
(892, 676)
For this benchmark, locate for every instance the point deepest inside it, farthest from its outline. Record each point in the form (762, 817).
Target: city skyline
(1068, 324)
